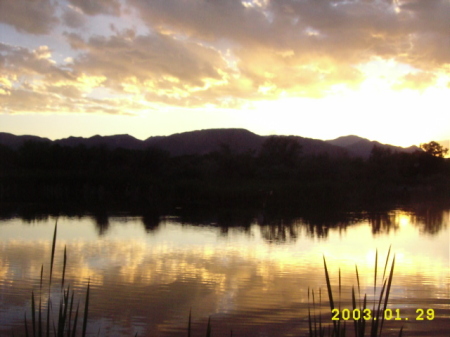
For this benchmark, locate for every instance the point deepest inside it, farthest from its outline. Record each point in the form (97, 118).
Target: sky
(321, 69)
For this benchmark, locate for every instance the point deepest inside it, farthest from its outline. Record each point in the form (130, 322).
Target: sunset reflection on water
(253, 277)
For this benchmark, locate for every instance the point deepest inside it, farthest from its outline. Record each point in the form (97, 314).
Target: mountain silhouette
(111, 142)
(362, 147)
(14, 142)
(206, 141)
(345, 141)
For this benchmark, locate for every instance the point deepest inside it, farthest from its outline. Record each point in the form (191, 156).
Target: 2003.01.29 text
(389, 314)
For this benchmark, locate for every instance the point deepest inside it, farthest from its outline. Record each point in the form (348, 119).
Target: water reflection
(101, 221)
(430, 219)
(150, 222)
(384, 222)
(249, 270)
(277, 227)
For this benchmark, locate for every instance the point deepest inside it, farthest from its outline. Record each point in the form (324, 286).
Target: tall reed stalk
(377, 316)
(63, 326)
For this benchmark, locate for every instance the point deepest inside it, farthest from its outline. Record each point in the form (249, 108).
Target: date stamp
(389, 314)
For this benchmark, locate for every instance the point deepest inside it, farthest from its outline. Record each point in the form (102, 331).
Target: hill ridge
(209, 140)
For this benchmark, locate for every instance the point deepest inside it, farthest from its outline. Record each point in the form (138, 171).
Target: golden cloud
(215, 53)
(416, 81)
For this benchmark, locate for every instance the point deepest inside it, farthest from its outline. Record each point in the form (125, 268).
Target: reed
(189, 323)
(62, 326)
(377, 316)
(208, 328)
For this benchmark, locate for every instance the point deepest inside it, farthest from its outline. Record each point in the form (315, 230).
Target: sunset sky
(322, 69)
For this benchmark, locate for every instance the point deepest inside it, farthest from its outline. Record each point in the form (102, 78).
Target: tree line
(278, 174)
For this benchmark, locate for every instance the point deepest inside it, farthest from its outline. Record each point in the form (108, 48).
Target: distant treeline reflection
(275, 227)
(279, 175)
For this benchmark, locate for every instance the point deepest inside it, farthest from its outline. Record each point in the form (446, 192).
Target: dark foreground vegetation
(278, 175)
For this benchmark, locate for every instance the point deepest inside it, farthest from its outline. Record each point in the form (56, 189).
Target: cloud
(89, 7)
(73, 17)
(32, 17)
(20, 100)
(31, 81)
(21, 62)
(153, 62)
(346, 31)
(300, 47)
(223, 53)
(416, 81)
(63, 100)
(120, 56)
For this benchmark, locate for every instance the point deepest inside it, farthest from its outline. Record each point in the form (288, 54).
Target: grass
(67, 323)
(376, 317)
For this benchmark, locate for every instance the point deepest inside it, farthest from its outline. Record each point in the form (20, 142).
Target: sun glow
(374, 106)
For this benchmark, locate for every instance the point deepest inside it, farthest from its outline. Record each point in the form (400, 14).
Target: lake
(250, 272)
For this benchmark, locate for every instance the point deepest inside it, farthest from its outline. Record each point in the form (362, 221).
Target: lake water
(248, 273)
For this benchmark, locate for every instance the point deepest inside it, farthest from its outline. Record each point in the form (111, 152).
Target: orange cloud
(213, 53)
(416, 81)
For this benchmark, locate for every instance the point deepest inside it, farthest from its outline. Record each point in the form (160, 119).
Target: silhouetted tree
(379, 153)
(281, 150)
(232, 164)
(435, 149)
(8, 158)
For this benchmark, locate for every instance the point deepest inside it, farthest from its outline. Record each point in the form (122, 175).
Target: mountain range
(206, 141)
